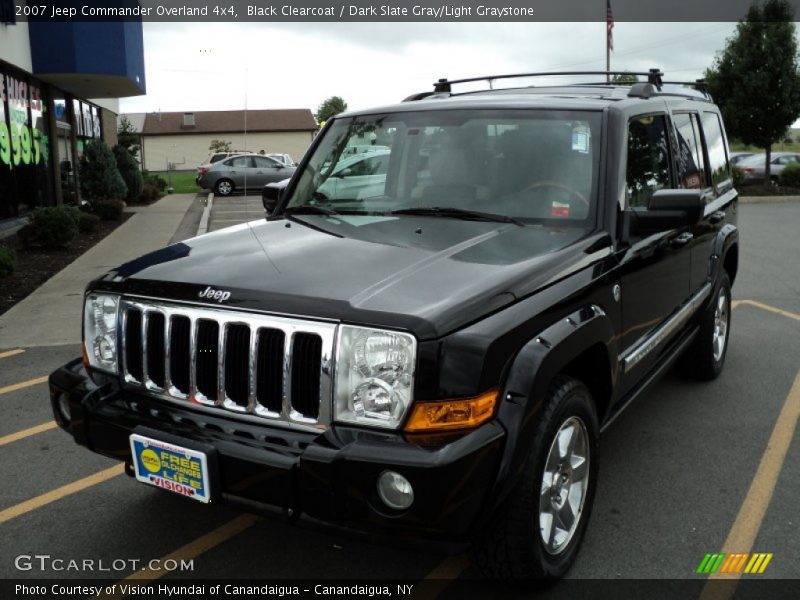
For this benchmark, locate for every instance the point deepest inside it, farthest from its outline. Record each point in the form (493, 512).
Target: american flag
(609, 25)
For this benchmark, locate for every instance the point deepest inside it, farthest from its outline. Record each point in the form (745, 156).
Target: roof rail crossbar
(654, 76)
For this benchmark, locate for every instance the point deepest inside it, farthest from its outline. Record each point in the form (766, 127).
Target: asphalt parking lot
(689, 469)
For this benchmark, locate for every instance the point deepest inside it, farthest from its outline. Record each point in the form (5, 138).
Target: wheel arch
(725, 252)
(580, 345)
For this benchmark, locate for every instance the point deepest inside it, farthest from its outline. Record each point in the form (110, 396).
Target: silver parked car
(753, 166)
(739, 156)
(243, 172)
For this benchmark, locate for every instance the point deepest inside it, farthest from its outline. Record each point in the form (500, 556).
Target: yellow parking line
(59, 493)
(437, 581)
(13, 437)
(22, 385)
(745, 528)
(767, 307)
(14, 352)
(191, 550)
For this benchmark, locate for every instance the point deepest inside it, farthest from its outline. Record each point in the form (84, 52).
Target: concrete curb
(203, 227)
(768, 199)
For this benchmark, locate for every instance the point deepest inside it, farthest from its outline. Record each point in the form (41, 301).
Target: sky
(226, 66)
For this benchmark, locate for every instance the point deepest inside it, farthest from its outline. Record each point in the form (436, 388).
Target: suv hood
(425, 274)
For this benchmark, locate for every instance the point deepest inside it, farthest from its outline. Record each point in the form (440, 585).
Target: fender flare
(726, 239)
(529, 376)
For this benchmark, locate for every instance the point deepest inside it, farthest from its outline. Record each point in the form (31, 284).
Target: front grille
(264, 367)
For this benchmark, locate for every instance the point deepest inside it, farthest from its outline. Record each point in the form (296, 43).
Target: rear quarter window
(717, 152)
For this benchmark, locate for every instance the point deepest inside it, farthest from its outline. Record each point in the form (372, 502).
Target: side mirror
(667, 209)
(271, 196)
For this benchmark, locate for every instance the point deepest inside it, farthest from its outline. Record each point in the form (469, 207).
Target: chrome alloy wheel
(224, 188)
(565, 482)
(721, 316)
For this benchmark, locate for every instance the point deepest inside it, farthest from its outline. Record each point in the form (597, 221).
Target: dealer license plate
(170, 467)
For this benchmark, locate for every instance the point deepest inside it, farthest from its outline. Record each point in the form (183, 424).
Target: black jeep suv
(430, 345)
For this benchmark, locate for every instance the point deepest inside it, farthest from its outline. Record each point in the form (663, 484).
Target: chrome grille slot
(179, 358)
(269, 369)
(207, 360)
(306, 354)
(261, 368)
(237, 364)
(156, 368)
(133, 345)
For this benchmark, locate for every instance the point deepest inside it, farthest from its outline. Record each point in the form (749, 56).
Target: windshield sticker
(580, 139)
(559, 209)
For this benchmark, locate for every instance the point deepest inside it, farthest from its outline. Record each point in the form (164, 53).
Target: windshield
(532, 165)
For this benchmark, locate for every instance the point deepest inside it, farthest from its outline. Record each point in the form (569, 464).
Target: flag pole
(609, 39)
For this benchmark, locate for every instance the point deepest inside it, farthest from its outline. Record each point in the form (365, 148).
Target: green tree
(755, 79)
(129, 169)
(330, 107)
(219, 146)
(99, 176)
(624, 78)
(128, 137)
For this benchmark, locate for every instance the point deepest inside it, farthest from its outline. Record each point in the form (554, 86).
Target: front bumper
(330, 476)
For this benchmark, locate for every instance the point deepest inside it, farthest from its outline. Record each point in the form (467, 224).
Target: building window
(24, 145)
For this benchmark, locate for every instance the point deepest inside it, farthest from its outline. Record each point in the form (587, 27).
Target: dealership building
(59, 88)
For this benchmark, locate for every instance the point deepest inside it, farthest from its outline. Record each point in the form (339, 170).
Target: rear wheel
(537, 533)
(706, 356)
(224, 187)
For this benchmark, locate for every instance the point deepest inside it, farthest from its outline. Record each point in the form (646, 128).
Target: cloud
(197, 66)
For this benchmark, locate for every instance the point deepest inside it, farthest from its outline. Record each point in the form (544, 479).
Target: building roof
(228, 121)
(135, 119)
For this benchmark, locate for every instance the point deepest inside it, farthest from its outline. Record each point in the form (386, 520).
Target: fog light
(395, 490)
(63, 407)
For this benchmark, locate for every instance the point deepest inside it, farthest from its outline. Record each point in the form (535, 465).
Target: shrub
(738, 177)
(27, 234)
(156, 180)
(54, 226)
(109, 210)
(150, 193)
(99, 176)
(8, 261)
(87, 222)
(790, 176)
(129, 170)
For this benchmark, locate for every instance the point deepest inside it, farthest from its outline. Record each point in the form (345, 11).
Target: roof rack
(654, 76)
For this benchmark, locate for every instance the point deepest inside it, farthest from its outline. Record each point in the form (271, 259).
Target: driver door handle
(682, 240)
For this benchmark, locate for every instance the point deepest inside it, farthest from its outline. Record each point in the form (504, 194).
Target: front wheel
(706, 356)
(537, 533)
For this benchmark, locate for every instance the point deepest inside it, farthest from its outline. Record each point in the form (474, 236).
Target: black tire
(512, 545)
(224, 187)
(702, 360)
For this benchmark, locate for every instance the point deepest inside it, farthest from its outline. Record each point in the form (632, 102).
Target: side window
(691, 167)
(239, 162)
(263, 162)
(717, 152)
(648, 159)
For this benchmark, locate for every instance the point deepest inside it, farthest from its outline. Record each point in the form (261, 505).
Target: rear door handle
(682, 240)
(716, 217)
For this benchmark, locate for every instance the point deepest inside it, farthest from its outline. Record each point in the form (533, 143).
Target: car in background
(753, 166)
(356, 177)
(737, 157)
(241, 172)
(282, 157)
(215, 157)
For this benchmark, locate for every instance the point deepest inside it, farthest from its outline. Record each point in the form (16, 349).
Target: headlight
(374, 376)
(100, 331)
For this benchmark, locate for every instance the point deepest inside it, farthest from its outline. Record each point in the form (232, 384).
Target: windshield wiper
(310, 209)
(457, 213)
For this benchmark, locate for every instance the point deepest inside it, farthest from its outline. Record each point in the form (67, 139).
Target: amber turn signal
(446, 415)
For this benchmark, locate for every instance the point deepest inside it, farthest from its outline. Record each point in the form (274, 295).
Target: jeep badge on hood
(212, 294)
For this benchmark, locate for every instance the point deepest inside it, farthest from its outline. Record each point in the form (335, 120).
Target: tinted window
(239, 161)
(263, 162)
(691, 169)
(648, 159)
(717, 155)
